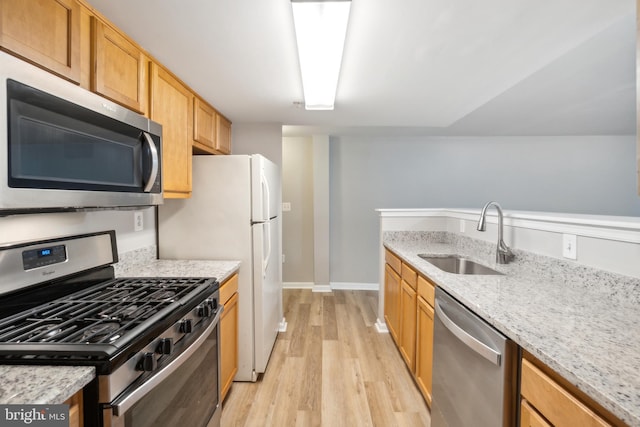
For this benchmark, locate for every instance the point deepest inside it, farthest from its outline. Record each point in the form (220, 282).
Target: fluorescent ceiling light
(321, 27)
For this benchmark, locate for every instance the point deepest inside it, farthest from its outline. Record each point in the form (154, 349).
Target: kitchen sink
(458, 265)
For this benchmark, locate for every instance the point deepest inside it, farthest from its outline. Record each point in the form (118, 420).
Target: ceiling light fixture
(321, 27)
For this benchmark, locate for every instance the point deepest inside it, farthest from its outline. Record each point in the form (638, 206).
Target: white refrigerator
(233, 214)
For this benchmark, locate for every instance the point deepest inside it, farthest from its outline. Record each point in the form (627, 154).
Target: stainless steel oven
(154, 341)
(186, 391)
(65, 148)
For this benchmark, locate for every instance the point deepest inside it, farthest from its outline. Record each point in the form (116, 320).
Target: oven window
(188, 397)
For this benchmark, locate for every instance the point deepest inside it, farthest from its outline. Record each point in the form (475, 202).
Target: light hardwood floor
(331, 368)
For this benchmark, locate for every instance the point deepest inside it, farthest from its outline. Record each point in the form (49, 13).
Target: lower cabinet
(547, 399)
(392, 302)
(408, 313)
(424, 348)
(408, 304)
(228, 334)
(75, 410)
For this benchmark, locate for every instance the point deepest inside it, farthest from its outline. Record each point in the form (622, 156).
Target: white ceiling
(437, 67)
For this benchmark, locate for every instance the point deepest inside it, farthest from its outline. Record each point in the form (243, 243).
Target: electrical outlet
(138, 221)
(569, 246)
(286, 207)
(283, 258)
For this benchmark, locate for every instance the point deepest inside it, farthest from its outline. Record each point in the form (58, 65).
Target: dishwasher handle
(470, 341)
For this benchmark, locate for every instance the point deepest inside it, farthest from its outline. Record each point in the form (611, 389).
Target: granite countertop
(143, 263)
(581, 322)
(55, 384)
(42, 384)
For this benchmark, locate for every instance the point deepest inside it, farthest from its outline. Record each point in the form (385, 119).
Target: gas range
(68, 309)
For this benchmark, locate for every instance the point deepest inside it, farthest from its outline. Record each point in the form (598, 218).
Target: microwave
(63, 148)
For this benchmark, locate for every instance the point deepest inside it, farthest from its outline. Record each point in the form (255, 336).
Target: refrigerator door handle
(267, 256)
(266, 198)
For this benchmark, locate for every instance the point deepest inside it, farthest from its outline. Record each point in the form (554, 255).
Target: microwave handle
(154, 162)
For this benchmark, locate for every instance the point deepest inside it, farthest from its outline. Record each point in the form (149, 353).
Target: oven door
(186, 391)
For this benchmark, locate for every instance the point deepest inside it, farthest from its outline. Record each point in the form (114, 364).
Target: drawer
(392, 260)
(228, 288)
(409, 275)
(554, 402)
(426, 290)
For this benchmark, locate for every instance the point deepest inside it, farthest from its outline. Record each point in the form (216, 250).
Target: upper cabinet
(172, 106)
(223, 140)
(211, 131)
(120, 68)
(44, 32)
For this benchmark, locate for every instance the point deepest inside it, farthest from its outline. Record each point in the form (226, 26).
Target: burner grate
(102, 314)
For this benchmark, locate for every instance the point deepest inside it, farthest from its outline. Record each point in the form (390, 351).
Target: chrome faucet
(503, 253)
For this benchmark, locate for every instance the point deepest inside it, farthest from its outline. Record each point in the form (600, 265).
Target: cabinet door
(204, 126)
(408, 307)
(529, 417)
(223, 139)
(392, 302)
(229, 344)
(172, 107)
(424, 348)
(45, 32)
(75, 410)
(120, 68)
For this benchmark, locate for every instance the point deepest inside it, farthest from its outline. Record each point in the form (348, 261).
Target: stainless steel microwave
(65, 148)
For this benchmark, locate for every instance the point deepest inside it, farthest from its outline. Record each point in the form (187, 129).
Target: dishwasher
(474, 369)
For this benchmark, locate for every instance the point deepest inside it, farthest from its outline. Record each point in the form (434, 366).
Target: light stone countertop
(55, 384)
(42, 384)
(581, 322)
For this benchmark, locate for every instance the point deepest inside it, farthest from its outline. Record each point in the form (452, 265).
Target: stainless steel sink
(458, 265)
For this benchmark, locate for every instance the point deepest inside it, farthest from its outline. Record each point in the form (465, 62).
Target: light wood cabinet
(204, 126)
(172, 106)
(229, 334)
(408, 312)
(549, 400)
(392, 302)
(223, 139)
(408, 307)
(75, 410)
(529, 417)
(44, 32)
(424, 348)
(120, 68)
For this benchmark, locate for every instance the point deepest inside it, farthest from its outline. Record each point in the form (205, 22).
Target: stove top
(97, 323)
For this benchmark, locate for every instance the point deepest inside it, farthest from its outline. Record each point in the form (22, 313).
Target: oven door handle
(122, 405)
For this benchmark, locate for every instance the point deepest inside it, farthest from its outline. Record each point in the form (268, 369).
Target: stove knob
(147, 362)
(204, 309)
(185, 326)
(213, 303)
(165, 346)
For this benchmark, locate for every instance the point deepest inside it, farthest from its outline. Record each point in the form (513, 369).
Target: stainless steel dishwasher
(474, 369)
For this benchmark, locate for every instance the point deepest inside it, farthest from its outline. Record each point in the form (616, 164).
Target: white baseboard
(297, 285)
(354, 286)
(381, 327)
(321, 288)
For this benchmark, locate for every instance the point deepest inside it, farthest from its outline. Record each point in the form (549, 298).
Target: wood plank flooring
(331, 368)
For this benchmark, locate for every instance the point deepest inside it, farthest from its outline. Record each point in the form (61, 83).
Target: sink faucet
(503, 253)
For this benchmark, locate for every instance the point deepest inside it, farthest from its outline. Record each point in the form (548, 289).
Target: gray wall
(591, 175)
(297, 225)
